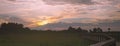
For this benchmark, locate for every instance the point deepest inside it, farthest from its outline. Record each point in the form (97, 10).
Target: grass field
(43, 39)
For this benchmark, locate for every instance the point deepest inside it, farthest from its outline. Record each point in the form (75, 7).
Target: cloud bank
(35, 13)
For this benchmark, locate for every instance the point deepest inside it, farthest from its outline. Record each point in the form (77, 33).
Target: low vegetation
(43, 39)
(13, 34)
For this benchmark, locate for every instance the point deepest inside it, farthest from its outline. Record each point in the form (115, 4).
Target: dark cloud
(118, 11)
(10, 18)
(54, 2)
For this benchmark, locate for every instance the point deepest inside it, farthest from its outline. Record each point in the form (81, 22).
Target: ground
(43, 39)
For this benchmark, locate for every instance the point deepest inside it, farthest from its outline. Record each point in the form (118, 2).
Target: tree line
(79, 29)
(15, 27)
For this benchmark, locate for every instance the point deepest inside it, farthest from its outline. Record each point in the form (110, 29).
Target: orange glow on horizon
(40, 23)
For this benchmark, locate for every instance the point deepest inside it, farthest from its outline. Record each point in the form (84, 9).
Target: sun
(42, 23)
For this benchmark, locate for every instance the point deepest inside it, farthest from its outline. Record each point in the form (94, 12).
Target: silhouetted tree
(94, 29)
(97, 29)
(90, 30)
(12, 27)
(79, 29)
(109, 29)
(71, 29)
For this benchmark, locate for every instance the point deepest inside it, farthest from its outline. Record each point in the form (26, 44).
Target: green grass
(43, 39)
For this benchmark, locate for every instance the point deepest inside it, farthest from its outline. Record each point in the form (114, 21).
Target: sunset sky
(59, 14)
